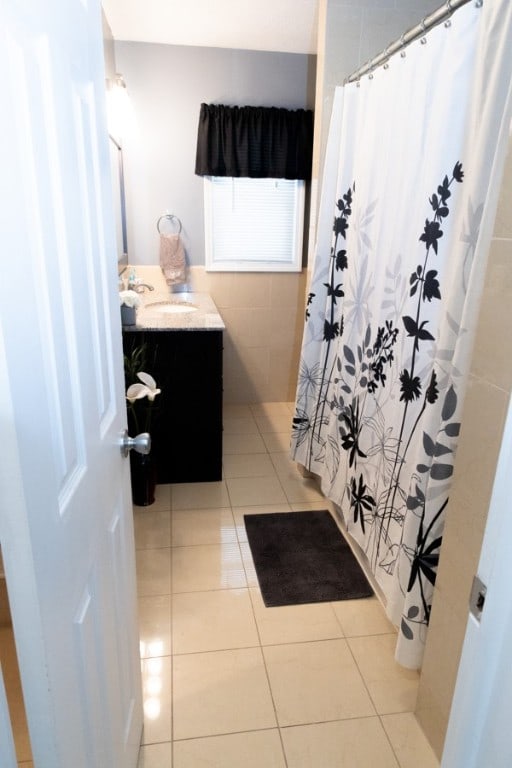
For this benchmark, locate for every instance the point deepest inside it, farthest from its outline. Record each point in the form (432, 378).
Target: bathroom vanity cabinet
(186, 429)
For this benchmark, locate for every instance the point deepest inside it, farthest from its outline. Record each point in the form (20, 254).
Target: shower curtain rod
(432, 20)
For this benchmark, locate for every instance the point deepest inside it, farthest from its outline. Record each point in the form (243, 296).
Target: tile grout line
(259, 636)
(278, 727)
(390, 742)
(361, 676)
(283, 750)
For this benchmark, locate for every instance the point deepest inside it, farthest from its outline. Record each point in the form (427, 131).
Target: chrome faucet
(139, 287)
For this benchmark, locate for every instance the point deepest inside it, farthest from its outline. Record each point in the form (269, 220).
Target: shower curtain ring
(424, 30)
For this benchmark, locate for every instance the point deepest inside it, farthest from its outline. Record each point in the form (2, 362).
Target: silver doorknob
(141, 443)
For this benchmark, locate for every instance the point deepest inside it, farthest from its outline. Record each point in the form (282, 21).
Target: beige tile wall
(485, 409)
(263, 314)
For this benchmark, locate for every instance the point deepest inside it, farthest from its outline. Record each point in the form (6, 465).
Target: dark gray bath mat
(302, 557)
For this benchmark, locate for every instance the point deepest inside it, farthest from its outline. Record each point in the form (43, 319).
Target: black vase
(143, 474)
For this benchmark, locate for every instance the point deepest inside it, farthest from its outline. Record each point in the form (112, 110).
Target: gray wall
(350, 33)
(358, 31)
(166, 85)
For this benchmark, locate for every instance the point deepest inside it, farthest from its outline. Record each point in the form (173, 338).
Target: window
(253, 225)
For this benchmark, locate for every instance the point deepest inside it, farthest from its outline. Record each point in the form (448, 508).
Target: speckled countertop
(200, 313)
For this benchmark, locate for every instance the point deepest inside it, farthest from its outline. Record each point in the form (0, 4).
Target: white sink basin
(171, 307)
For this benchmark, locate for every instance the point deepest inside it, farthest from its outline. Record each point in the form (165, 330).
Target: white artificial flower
(147, 389)
(136, 392)
(129, 298)
(150, 384)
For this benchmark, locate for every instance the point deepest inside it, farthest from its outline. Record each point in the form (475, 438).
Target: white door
(65, 525)
(479, 731)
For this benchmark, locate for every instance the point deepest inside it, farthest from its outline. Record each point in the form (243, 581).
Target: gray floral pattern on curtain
(351, 384)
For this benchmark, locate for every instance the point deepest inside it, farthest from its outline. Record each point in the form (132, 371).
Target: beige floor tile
(155, 625)
(221, 692)
(285, 466)
(256, 749)
(250, 570)
(199, 495)
(257, 509)
(392, 687)
(236, 411)
(269, 409)
(153, 571)
(409, 742)
(301, 489)
(202, 526)
(303, 506)
(239, 425)
(152, 527)
(358, 743)
(247, 465)
(275, 424)
(157, 699)
(205, 567)
(156, 756)
(247, 491)
(315, 682)
(294, 623)
(272, 417)
(162, 498)
(362, 617)
(243, 444)
(213, 621)
(276, 442)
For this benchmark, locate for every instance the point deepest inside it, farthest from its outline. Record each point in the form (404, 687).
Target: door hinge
(477, 598)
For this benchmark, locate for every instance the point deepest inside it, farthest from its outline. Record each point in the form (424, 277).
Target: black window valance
(259, 142)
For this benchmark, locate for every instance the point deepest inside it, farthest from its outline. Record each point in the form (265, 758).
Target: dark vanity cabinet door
(186, 430)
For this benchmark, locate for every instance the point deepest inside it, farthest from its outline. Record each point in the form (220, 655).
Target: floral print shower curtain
(404, 226)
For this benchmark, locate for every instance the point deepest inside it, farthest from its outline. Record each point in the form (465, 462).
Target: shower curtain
(413, 164)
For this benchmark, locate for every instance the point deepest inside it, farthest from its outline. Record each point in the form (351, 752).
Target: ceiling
(262, 25)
